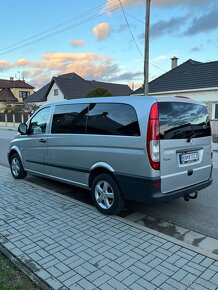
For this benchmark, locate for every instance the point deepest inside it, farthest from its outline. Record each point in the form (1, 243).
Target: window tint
(112, 119)
(39, 122)
(69, 119)
(183, 120)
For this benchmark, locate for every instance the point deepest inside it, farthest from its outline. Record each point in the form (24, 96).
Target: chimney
(174, 62)
(11, 79)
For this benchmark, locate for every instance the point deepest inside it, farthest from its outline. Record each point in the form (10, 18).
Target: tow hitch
(190, 196)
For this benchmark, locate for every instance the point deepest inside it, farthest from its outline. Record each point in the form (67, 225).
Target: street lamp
(146, 55)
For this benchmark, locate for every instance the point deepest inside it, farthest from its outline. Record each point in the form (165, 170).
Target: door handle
(42, 141)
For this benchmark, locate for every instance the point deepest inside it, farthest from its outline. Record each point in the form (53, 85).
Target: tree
(99, 92)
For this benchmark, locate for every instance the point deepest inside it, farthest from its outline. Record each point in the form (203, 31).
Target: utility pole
(146, 55)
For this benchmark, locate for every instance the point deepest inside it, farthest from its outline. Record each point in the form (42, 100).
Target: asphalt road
(199, 215)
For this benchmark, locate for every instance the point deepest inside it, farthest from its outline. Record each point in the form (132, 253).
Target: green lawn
(13, 279)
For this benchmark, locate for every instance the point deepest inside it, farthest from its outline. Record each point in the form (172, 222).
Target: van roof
(125, 99)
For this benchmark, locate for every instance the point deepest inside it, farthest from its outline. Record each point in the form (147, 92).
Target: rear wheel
(106, 194)
(16, 166)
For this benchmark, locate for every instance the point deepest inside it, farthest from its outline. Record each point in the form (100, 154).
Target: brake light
(153, 138)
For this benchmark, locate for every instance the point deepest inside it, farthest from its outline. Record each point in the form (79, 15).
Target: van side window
(39, 122)
(70, 119)
(112, 119)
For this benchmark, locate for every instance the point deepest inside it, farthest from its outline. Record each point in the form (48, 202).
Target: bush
(99, 92)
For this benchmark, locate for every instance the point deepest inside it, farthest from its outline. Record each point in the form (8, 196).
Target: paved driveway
(68, 245)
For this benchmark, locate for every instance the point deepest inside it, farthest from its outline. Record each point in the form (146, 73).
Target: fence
(13, 119)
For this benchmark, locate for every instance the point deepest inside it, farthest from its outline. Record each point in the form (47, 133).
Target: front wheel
(106, 194)
(16, 167)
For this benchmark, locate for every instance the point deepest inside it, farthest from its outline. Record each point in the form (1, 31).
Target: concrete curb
(24, 268)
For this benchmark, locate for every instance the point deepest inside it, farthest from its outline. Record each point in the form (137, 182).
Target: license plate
(188, 157)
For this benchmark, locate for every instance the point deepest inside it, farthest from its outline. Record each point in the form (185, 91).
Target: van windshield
(183, 120)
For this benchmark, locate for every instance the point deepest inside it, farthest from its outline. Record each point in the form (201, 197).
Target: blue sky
(41, 39)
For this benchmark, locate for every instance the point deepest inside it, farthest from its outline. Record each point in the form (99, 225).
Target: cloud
(203, 23)
(102, 30)
(4, 65)
(115, 4)
(77, 42)
(88, 65)
(163, 27)
(125, 76)
(22, 62)
(196, 49)
(37, 77)
(111, 5)
(122, 27)
(170, 3)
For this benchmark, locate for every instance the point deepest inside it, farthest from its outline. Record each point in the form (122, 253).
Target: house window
(24, 94)
(55, 92)
(216, 111)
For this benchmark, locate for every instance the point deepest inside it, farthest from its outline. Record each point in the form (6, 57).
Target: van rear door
(185, 144)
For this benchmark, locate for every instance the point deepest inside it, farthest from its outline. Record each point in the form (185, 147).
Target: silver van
(146, 149)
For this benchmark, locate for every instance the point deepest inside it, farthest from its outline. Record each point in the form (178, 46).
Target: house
(14, 92)
(197, 80)
(72, 86)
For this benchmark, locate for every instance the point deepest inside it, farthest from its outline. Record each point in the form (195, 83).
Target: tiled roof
(39, 96)
(14, 84)
(73, 86)
(7, 96)
(189, 75)
(114, 89)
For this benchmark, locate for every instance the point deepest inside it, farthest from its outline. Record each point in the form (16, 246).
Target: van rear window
(183, 120)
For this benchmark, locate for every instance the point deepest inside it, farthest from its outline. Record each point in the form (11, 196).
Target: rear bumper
(147, 190)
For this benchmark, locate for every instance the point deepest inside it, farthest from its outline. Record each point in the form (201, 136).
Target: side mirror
(22, 128)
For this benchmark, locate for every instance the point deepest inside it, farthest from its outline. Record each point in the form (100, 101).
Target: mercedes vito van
(147, 149)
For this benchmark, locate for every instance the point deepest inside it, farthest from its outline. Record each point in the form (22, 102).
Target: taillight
(153, 138)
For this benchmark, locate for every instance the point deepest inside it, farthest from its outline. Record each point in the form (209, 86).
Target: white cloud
(4, 65)
(111, 5)
(88, 65)
(102, 30)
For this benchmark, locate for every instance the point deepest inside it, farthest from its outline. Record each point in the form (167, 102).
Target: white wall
(52, 98)
(205, 96)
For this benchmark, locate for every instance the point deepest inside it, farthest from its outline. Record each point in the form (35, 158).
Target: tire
(16, 167)
(106, 194)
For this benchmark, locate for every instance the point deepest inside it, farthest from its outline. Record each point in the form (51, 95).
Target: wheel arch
(99, 168)
(13, 150)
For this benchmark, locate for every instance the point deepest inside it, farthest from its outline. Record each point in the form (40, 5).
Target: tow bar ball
(191, 196)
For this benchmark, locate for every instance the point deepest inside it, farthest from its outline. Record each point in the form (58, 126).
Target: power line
(124, 13)
(51, 28)
(136, 18)
(43, 35)
(121, 5)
